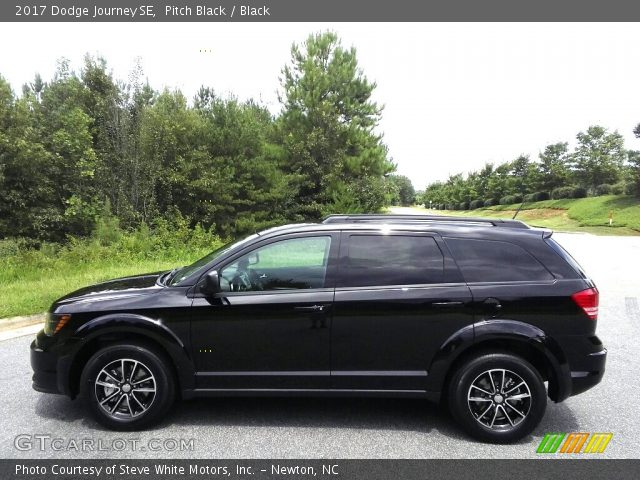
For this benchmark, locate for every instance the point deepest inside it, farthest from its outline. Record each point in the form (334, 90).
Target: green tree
(239, 184)
(49, 164)
(499, 183)
(481, 181)
(634, 172)
(554, 167)
(522, 173)
(598, 158)
(403, 192)
(327, 128)
(634, 165)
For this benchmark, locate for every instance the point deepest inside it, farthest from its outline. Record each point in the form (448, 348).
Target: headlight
(55, 322)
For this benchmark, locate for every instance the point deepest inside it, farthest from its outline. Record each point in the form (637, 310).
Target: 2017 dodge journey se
(487, 316)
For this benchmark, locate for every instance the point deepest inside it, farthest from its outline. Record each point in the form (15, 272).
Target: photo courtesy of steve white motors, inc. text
(191, 469)
(139, 11)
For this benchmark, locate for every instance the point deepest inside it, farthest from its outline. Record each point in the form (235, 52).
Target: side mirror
(211, 283)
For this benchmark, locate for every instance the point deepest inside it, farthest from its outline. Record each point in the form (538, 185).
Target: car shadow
(390, 414)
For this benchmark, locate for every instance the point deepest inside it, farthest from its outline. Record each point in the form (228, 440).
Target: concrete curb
(15, 323)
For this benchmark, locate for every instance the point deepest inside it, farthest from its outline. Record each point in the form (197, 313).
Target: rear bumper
(590, 372)
(581, 364)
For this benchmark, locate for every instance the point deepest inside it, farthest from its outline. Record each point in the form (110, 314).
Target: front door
(269, 328)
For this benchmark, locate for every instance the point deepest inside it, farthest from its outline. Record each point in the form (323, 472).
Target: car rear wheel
(128, 386)
(497, 397)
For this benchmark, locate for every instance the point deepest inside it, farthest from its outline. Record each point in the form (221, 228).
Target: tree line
(84, 150)
(599, 165)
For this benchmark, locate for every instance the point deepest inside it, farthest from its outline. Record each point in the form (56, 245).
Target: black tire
(145, 392)
(471, 393)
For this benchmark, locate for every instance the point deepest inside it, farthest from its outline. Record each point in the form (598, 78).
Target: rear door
(399, 296)
(509, 282)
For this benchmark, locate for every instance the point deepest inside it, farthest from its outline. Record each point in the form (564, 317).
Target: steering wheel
(240, 282)
(245, 279)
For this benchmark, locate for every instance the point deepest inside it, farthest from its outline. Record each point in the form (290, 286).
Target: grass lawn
(36, 290)
(572, 215)
(30, 280)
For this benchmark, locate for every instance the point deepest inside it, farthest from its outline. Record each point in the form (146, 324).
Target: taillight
(587, 300)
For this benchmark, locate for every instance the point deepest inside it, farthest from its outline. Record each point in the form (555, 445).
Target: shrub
(562, 192)
(491, 202)
(107, 230)
(617, 188)
(541, 196)
(603, 189)
(579, 192)
(463, 205)
(479, 203)
(631, 188)
(507, 200)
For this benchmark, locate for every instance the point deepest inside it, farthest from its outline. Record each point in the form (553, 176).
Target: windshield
(187, 271)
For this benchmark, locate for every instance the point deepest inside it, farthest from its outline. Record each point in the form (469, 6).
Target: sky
(455, 95)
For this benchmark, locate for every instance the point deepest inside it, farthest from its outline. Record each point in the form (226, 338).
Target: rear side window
(392, 260)
(566, 257)
(495, 261)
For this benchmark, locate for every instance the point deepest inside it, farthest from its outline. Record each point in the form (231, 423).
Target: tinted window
(392, 260)
(495, 261)
(295, 263)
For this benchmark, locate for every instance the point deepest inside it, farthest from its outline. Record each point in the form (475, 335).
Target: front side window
(495, 261)
(292, 264)
(378, 260)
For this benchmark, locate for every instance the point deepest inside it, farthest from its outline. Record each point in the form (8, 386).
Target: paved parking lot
(353, 428)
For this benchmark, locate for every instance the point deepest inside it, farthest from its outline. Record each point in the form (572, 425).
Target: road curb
(15, 323)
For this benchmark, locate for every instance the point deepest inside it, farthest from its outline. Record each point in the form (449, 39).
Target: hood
(120, 288)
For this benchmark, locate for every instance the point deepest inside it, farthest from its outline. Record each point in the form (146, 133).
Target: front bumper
(45, 371)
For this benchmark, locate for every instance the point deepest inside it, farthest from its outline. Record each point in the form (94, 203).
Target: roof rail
(367, 218)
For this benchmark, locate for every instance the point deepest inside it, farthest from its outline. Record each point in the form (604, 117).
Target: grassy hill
(575, 215)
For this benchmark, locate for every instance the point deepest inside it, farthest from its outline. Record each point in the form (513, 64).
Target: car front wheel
(128, 386)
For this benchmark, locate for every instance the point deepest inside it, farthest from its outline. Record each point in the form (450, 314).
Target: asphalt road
(352, 428)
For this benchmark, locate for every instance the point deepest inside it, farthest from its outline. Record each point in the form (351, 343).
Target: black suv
(475, 313)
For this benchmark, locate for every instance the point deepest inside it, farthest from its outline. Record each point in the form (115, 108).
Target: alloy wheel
(499, 399)
(125, 388)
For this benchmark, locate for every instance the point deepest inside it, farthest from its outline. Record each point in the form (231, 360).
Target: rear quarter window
(566, 257)
(495, 261)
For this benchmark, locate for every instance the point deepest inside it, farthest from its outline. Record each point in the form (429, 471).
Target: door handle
(311, 308)
(447, 304)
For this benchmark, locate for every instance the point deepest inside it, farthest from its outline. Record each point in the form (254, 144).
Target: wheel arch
(507, 336)
(114, 329)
